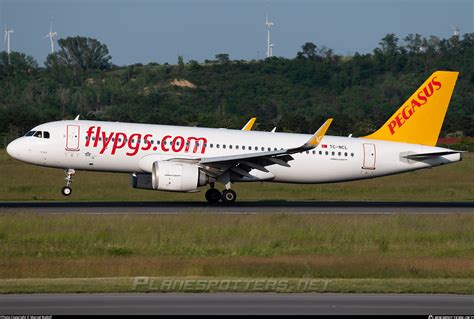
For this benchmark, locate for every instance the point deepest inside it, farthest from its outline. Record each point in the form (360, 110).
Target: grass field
(455, 182)
(354, 253)
(382, 248)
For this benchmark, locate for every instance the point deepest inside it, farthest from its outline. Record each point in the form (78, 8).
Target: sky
(144, 31)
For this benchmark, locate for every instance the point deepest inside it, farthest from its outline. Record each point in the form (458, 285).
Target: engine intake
(177, 176)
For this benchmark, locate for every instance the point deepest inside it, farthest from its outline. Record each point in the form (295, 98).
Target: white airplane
(181, 159)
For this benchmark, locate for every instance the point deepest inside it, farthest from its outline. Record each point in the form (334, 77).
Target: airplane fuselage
(132, 148)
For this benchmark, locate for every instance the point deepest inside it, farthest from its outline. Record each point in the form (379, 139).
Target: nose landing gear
(67, 190)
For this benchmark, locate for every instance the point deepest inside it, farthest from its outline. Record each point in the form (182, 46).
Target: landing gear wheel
(213, 195)
(66, 191)
(228, 196)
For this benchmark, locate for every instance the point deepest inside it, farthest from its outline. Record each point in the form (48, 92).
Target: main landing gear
(227, 196)
(67, 190)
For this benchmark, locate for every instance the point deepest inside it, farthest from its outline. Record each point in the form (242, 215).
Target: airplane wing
(249, 125)
(242, 164)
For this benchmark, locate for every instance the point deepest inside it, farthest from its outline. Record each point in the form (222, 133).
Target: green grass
(213, 284)
(296, 246)
(356, 253)
(19, 181)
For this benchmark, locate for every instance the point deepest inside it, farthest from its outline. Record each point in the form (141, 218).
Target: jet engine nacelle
(171, 176)
(177, 176)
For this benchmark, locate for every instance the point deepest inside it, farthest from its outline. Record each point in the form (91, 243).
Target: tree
(81, 53)
(180, 60)
(389, 44)
(194, 65)
(309, 51)
(17, 63)
(414, 43)
(222, 58)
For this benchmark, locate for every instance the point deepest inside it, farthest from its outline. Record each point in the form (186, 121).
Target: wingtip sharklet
(318, 136)
(314, 141)
(249, 125)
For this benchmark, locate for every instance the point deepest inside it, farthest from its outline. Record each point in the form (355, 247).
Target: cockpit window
(30, 133)
(45, 134)
(38, 134)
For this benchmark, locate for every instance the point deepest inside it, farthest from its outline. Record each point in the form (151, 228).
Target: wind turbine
(51, 35)
(270, 45)
(455, 30)
(6, 40)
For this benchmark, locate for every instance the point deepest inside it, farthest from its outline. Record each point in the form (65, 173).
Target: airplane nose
(13, 149)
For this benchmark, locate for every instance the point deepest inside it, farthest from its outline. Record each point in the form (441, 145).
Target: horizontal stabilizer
(430, 155)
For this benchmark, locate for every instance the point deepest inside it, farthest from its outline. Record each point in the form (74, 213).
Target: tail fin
(419, 119)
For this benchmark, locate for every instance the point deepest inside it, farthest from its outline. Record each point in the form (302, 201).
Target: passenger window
(352, 154)
(332, 153)
(339, 154)
(45, 134)
(217, 145)
(345, 154)
(327, 153)
(211, 145)
(256, 148)
(223, 145)
(243, 147)
(314, 152)
(230, 146)
(320, 152)
(236, 147)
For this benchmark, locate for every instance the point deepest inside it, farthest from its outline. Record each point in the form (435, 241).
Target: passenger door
(72, 137)
(369, 156)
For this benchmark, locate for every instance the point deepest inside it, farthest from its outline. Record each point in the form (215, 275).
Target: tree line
(294, 94)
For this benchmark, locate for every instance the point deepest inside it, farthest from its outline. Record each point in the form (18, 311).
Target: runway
(256, 207)
(237, 303)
